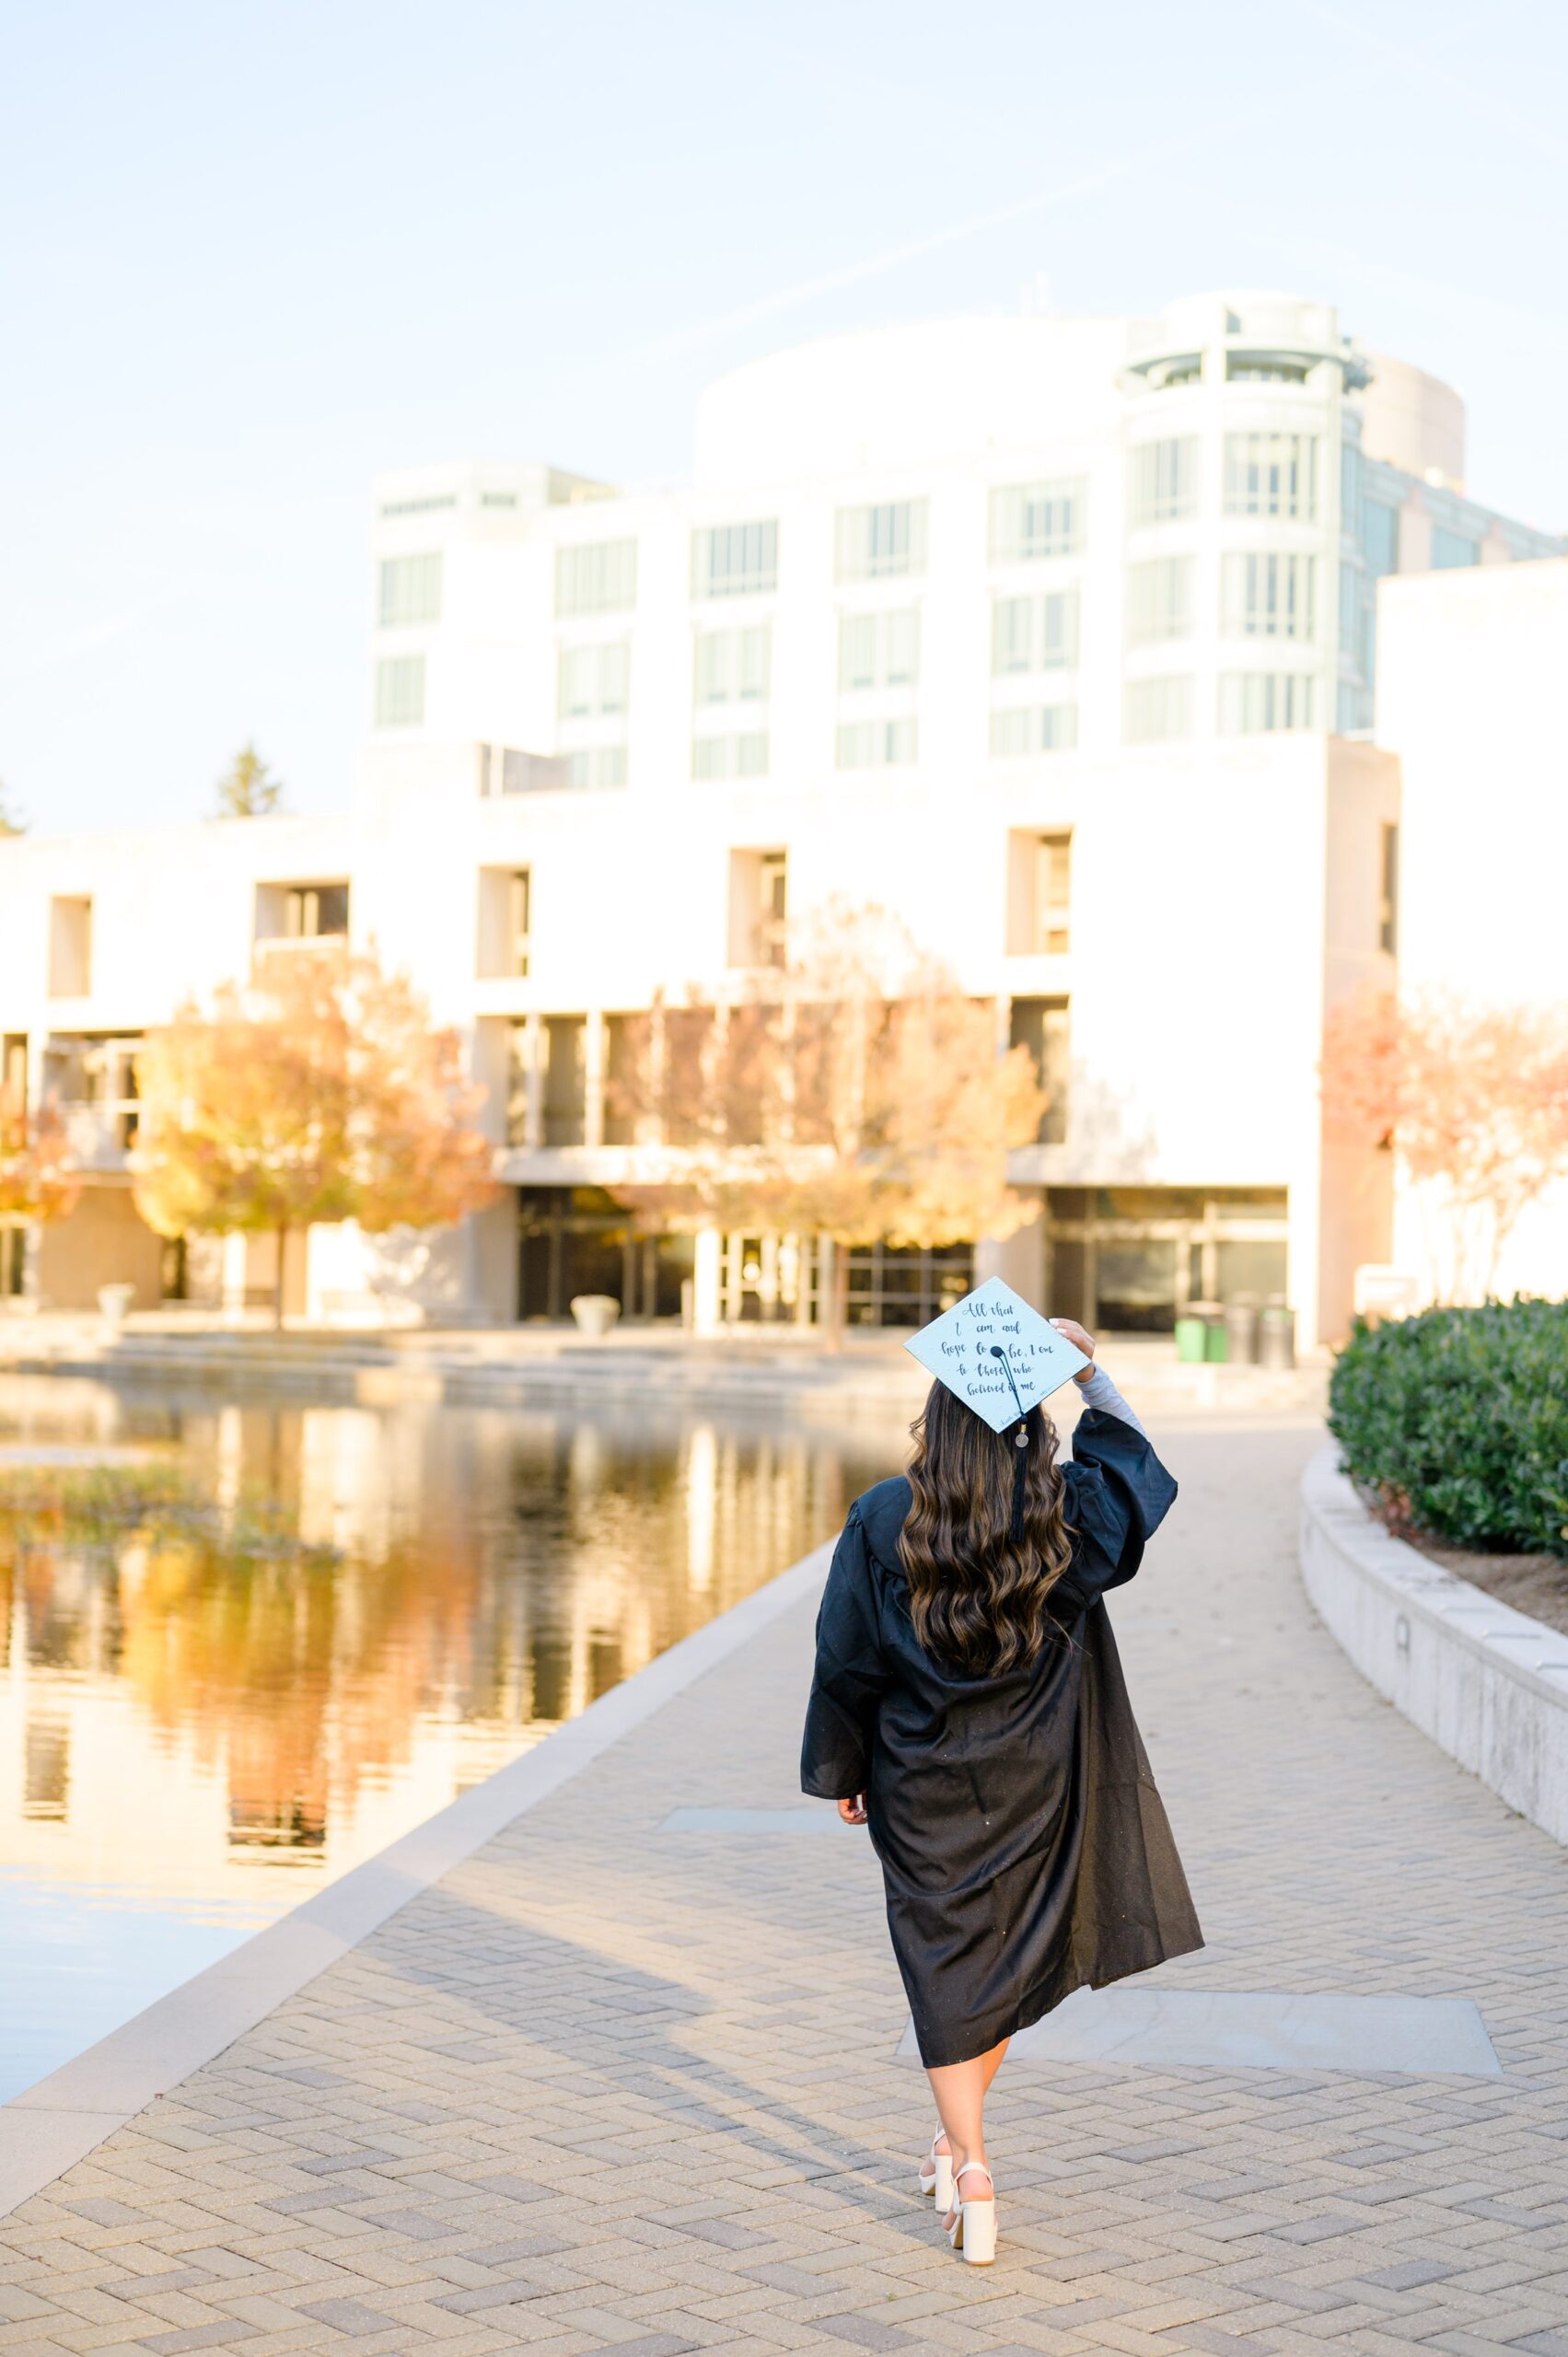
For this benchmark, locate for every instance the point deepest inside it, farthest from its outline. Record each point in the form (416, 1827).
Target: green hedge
(1457, 1420)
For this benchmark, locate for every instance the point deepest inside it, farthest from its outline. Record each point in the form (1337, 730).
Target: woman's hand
(854, 1811)
(1074, 1334)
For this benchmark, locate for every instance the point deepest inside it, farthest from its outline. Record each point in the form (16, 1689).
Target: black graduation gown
(1024, 1847)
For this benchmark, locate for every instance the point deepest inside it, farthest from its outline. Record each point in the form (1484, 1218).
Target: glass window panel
(599, 577)
(1267, 595)
(595, 765)
(1257, 703)
(1272, 475)
(878, 542)
(1046, 728)
(735, 560)
(400, 691)
(1156, 710)
(1159, 598)
(1165, 481)
(1037, 520)
(1450, 549)
(410, 590)
(1381, 538)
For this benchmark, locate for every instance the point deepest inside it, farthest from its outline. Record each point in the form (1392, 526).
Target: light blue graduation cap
(999, 1356)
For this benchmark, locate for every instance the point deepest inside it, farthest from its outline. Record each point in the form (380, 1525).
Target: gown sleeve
(1118, 1493)
(850, 1677)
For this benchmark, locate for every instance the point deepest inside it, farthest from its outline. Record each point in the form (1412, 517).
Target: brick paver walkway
(693, 2036)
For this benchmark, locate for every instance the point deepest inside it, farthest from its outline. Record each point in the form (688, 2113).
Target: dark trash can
(1241, 1326)
(1276, 1336)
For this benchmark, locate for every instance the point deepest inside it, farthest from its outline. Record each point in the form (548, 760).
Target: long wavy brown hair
(978, 1599)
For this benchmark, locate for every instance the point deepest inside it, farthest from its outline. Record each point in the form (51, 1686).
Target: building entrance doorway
(1126, 1260)
(579, 1239)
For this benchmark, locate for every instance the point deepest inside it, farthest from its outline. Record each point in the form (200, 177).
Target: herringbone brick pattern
(693, 2036)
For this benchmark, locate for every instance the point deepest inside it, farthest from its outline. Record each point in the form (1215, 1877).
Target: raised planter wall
(1487, 1683)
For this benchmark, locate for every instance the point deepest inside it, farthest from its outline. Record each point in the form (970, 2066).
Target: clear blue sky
(249, 255)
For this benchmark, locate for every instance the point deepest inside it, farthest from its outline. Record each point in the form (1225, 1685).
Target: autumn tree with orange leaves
(317, 1092)
(38, 1180)
(1474, 1102)
(856, 1093)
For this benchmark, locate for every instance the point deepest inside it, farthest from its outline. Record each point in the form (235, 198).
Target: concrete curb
(49, 2127)
(1486, 1683)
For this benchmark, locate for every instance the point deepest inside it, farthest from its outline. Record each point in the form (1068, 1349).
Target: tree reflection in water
(310, 1626)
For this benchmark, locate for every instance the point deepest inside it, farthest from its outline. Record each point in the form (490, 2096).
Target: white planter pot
(596, 1312)
(114, 1301)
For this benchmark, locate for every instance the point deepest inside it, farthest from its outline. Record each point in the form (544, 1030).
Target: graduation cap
(1001, 1358)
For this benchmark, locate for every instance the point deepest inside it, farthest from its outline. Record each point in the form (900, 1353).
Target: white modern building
(1054, 638)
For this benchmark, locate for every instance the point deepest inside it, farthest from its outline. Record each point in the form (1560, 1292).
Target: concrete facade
(1034, 634)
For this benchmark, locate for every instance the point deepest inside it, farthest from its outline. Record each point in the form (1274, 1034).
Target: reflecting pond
(268, 1636)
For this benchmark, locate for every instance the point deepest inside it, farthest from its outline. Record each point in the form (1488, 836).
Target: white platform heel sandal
(937, 2174)
(973, 2230)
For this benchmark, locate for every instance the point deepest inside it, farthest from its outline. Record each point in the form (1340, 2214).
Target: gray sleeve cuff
(1101, 1393)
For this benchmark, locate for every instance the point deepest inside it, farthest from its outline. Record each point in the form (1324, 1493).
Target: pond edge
(51, 2126)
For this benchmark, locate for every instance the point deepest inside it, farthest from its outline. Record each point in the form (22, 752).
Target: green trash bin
(1199, 1333)
(1192, 1340)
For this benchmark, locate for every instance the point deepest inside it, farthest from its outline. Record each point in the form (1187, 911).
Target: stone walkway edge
(51, 2126)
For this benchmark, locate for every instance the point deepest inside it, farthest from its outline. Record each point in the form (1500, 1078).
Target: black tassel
(1020, 1475)
(1021, 1449)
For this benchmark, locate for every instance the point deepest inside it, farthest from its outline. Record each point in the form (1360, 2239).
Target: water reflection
(191, 1718)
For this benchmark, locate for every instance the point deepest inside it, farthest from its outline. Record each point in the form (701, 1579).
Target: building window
(1042, 728)
(1250, 368)
(1039, 891)
(71, 947)
(1350, 610)
(1350, 490)
(1381, 538)
(1450, 549)
(1165, 481)
(759, 908)
(742, 755)
(877, 543)
(1272, 475)
(1160, 598)
(1256, 703)
(599, 577)
(1040, 1025)
(1038, 519)
(410, 590)
(419, 506)
(1156, 710)
(1267, 595)
(592, 681)
(498, 499)
(315, 911)
(876, 744)
(1388, 895)
(596, 765)
(878, 650)
(733, 666)
(904, 1284)
(735, 560)
(1034, 634)
(564, 1093)
(506, 921)
(400, 691)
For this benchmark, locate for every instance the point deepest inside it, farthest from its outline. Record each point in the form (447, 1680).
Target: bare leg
(960, 2091)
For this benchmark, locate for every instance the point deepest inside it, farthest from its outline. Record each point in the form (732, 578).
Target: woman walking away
(968, 1705)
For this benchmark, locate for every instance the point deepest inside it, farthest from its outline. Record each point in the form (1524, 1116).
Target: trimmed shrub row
(1458, 1420)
